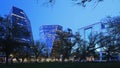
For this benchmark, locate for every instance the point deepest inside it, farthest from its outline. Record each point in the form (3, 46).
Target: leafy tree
(22, 51)
(56, 49)
(2, 34)
(38, 49)
(9, 41)
(88, 48)
(65, 39)
(77, 2)
(79, 53)
(109, 40)
(113, 43)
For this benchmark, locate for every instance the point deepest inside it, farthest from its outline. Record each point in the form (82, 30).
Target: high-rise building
(15, 27)
(48, 35)
(91, 30)
(20, 24)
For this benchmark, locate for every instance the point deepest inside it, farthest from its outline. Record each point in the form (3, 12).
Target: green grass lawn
(63, 65)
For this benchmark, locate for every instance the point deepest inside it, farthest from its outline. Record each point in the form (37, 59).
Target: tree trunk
(63, 58)
(7, 57)
(36, 58)
(22, 60)
(7, 54)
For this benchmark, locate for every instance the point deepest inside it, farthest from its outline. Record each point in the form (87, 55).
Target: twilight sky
(64, 13)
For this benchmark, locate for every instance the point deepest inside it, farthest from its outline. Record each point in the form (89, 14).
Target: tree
(22, 51)
(91, 47)
(109, 40)
(88, 48)
(8, 38)
(113, 43)
(78, 52)
(2, 32)
(77, 2)
(38, 49)
(2, 37)
(84, 48)
(8, 41)
(56, 49)
(65, 40)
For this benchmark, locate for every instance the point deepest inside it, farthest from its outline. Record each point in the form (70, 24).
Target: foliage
(56, 49)
(9, 42)
(65, 40)
(38, 48)
(113, 43)
(77, 2)
(80, 52)
(108, 41)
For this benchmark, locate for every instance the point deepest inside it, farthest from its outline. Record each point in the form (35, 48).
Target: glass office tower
(21, 27)
(48, 35)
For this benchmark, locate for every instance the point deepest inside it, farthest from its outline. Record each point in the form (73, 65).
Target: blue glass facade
(48, 35)
(21, 27)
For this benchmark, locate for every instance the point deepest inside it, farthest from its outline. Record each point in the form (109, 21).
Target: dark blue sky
(64, 13)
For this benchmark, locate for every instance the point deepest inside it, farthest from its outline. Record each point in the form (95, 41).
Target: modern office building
(48, 35)
(16, 27)
(91, 30)
(20, 24)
